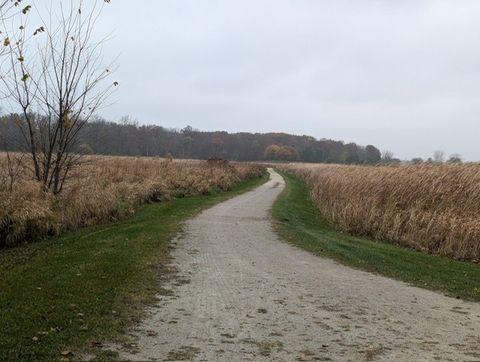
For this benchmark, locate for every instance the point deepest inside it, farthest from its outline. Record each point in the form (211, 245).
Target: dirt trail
(242, 294)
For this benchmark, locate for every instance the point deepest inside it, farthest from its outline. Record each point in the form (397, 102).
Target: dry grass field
(103, 189)
(433, 208)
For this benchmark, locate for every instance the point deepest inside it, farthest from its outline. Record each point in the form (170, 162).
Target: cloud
(401, 75)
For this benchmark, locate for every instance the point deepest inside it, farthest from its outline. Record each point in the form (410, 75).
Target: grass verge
(299, 222)
(63, 297)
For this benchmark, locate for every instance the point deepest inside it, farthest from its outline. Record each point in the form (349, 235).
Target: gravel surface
(242, 294)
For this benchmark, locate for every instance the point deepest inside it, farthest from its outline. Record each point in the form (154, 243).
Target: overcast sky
(402, 75)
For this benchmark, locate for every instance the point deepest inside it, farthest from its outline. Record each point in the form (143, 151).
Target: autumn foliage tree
(281, 153)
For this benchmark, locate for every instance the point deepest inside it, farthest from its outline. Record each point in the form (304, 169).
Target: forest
(127, 138)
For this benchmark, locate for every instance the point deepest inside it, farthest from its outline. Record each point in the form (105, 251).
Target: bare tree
(11, 169)
(387, 156)
(439, 156)
(12, 165)
(57, 86)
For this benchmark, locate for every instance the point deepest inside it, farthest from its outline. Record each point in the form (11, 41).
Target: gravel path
(242, 294)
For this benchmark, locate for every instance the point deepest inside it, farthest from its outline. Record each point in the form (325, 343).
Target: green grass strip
(71, 293)
(299, 222)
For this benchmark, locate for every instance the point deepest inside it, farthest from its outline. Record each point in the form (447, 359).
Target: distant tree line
(131, 139)
(438, 158)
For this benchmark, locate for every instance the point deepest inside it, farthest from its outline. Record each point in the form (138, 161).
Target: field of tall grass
(101, 190)
(430, 207)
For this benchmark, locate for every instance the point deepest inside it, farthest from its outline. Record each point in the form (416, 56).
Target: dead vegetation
(101, 190)
(433, 208)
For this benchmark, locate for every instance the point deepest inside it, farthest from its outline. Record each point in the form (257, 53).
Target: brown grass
(433, 208)
(105, 189)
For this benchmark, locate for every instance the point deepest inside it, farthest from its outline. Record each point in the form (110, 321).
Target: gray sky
(402, 75)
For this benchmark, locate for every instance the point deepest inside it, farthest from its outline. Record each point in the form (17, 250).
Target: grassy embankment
(301, 223)
(66, 296)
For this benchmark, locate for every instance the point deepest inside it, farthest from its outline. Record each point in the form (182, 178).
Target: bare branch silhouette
(57, 80)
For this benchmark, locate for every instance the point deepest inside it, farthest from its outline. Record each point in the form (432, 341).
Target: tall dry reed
(104, 189)
(433, 208)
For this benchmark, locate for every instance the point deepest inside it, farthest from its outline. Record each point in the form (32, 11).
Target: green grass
(76, 292)
(300, 223)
